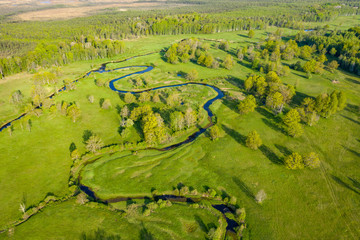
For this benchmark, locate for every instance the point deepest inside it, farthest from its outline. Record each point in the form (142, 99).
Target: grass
(302, 204)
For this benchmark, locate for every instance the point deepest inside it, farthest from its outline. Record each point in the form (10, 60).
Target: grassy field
(303, 204)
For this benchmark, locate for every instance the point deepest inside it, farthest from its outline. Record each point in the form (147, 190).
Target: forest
(206, 120)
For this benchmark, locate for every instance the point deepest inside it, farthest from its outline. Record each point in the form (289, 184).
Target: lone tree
(247, 105)
(228, 62)
(192, 75)
(214, 132)
(73, 112)
(312, 160)
(260, 196)
(94, 144)
(253, 140)
(294, 161)
(251, 33)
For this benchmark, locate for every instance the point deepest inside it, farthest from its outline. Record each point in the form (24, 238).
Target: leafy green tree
(291, 117)
(177, 121)
(253, 140)
(333, 65)
(156, 98)
(333, 51)
(275, 101)
(247, 105)
(333, 102)
(73, 112)
(295, 130)
(294, 161)
(144, 97)
(272, 77)
(124, 113)
(251, 33)
(129, 98)
(153, 131)
(208, 61)
(94, 144)
(75, 154)
(341, 100)
(260, 85)
(192, 75)
(17, 97)
(249, 83)
(190, 117)
(312, 160)
(106, 104)
(214, 132)
(228, 62)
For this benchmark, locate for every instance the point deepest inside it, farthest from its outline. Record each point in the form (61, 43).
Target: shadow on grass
(355, 182)
(270, 155)
(244, 188)
(298, 99)
(352, 151)
(99, 234)
(201, 223)
(232, 105)
(344, 184)
(352, 108)
(237, 82)
(145, 234)
(350, 119)
(234, 134)
(273, 126)
(352, 80)
(283, 150)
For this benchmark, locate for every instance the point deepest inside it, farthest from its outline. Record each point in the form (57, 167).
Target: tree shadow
(273, 126)
(298, 99)
(237, 82)
(270, 155)
(352, 108)
(355, 182)
(269, 115)
(350, 119)
(86, 135)
(232, 105)
(234, 134)
(352, 80)
(344, 184)
(244, 188)
(144, 234)
(99, 234)
(352, 151)
(202, 225)
(283, 150)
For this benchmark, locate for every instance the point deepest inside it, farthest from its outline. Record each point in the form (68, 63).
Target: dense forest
(25, 46)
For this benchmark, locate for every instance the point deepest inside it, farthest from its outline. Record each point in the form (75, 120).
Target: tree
(249, 83)
(91, 99)
(272, 77)
(75, 154)
(312, 160)
(214, 132)
(228, 62)
(253, 140)
(17, 97)
(341, 100)
(144, 97)
(295, 130)
(153, 128)
(291, 117)
(260, 85)
(190, 117)
(251, 33)
(247, 105)
(294, 161)
(333, 65)
(129, 98)
(260, 196)
(208, 61)
(94, 144)
(177, 121)
(192, 75)
(124, 113)
(106, 104)
(73, 112)
(275, 101)
(333, 51)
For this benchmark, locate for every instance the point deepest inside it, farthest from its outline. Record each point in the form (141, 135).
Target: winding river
(221, 207)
